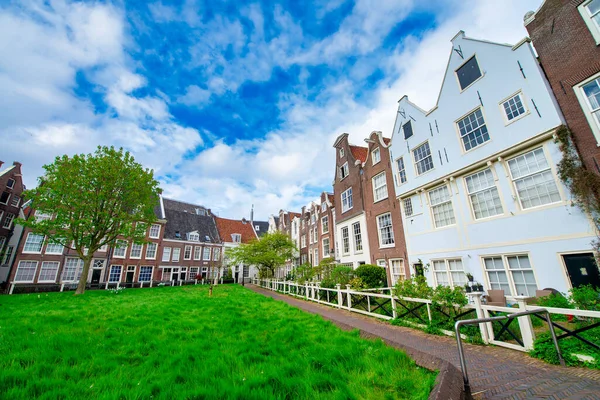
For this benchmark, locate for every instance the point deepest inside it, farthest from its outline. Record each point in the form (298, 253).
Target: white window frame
(78, 268)
(345, 230)
(408, 207)
(18, 278)
(509, 273)
(349, 200)
(13, 183)
(138, 248)
(401, 177)
(10, 218)
(111, 275)
(154, 228)
(49, 249)
(447, 263)
(197, 253)
(377, 186)
(589, 20)
(166, 255)
(216, 254)
(141, 277)
(421, 160)
(391, 230)
(548, 168)
(325, 223)
(151, 245)
(41, 216)
(12, 200)
(176, 254)
(44, 264)
(205, 254)
(376, 156)
(433, 207)
(481, 191)
(586, 106)
(461, 89)
(7, 199)
(328, 247)
(525, 113)
(303, 241)
(344, 171)
(401, 274)
(357, 235)
(193, 237)
(236, 237)
(187, 252)
(466, 135)
(31, 235)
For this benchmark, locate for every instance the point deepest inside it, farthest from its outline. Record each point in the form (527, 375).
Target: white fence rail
(388, 306)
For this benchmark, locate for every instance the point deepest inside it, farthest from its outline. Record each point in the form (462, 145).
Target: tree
(93, 200)
(267, 254)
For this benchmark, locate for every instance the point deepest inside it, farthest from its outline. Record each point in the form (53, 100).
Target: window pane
(538, 189)
(408, 131)
(594, 6)
(386, 231)
(48, 271)
(26, 271)
(357, 237)
(408, 209)
(473, 130)
(513, 107)
(528, 163)
(423, 159)
(34, 243)
(468, 73)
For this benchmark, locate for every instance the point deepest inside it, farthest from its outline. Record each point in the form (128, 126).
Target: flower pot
(468, 289)
(479, 288)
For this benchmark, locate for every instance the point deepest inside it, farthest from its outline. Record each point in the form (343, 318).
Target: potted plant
(478, 287)
(468, 288)
(469, 276)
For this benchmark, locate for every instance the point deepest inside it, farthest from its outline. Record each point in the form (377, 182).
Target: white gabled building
(476, 175)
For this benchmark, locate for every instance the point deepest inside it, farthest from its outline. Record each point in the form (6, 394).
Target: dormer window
(376, 156)
(236, 237)
(10, 183)
(194, 237)
(468, 73)
(341, 153)
(178, 234)
(257, 228)
(207, 238)
(407, 129)
(200, 211)
(344, 171)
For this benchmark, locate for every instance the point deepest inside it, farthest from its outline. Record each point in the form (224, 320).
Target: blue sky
(231, 103)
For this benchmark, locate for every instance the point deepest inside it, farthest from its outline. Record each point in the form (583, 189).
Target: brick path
(494, 372)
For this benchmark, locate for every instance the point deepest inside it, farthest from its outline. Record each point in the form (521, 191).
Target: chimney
(18, 164)
(1, 162)
(252, 215)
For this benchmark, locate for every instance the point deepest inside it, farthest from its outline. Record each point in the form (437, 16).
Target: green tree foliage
(372, 276)
(94, 199)
(416, 288)
(267, 254)
(342, 275)
(304, 272)
(325, 267)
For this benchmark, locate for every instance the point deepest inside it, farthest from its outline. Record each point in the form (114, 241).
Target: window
(54, 248)
(7, 254)
(145, 273)
(193, 236)
(325, 224)
(166, 254)
(42, 216)
(257, 228)
(206, 254)
(380, 187)
(401, 178)
(98, 264)
(590, 11)
(154, 231)
(407, 129)
(197, 252)
(303, 241)
(323, 206)
(408, 208)
(73, 269)
(136, 250)
(103, 248)
(397, 270)
(316, 257)
(534, 182)
(344, 171)
(4, 197)
(357, 237)
(26, 271)
(15, 200)
(115, 273)
(194, 272)
(345, 240)
(176, 254)
(151, 251)
(589, 97)
(468, 73)
(48, 271)
(423, 159)
(8, 220)
(34, 243)
(449, 272)
(313, 218)
(376, 155)
(326, 247)
(347, 200)
(473, 131)
(310, 236)
(483, 194)
(236, 237)
(381, 263)
(441, 206)
(386, 231)
(187, 253)
(341, 152)
(216, 254)
(518, 281)
(514, 107)
(246, 271)
(10, 183)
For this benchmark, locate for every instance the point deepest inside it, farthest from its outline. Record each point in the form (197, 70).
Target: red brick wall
(17, 190)
(568, 54)
(352, 180)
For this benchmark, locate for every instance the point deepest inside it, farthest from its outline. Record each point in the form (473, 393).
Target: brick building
(566, 35)
(382, 208)
(11, 188)
(233, 232)
(326, 227)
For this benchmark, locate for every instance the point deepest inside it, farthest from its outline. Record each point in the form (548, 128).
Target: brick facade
(569, 55)
(11, 189)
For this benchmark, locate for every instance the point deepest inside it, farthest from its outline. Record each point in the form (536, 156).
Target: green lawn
(177, 343)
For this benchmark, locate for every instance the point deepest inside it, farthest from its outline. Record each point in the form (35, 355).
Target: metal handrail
(461, 353)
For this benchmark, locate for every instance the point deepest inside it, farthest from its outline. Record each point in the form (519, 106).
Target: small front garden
(177, 342)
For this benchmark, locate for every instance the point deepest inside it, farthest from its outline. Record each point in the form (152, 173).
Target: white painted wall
(543, 232)
(354, 257)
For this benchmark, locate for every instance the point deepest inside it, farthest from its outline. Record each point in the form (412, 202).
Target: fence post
(429, 312)
(105, 286)
(349, 297)
(12, 287)
(306, 289)
(483, 328)
(317, 296)
(525, 323)
(151, 283)
(394, 313)
(141, 285)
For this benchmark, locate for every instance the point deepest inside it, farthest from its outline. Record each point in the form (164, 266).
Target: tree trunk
(84, 275)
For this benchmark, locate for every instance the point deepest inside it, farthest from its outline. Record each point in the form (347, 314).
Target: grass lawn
(177, 343)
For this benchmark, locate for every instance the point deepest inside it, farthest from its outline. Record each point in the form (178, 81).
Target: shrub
(357, 283)
(372, 276)
(342, 275)
(586, 298)
(415, 287)
(556, 300)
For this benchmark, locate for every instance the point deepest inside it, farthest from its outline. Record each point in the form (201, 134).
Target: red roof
(294, 215)
(359, 153)
(387, 140)
(227, 227)
(331, 199)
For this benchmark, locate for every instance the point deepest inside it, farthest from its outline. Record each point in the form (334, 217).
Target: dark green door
(582, 269)
(96, 275)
